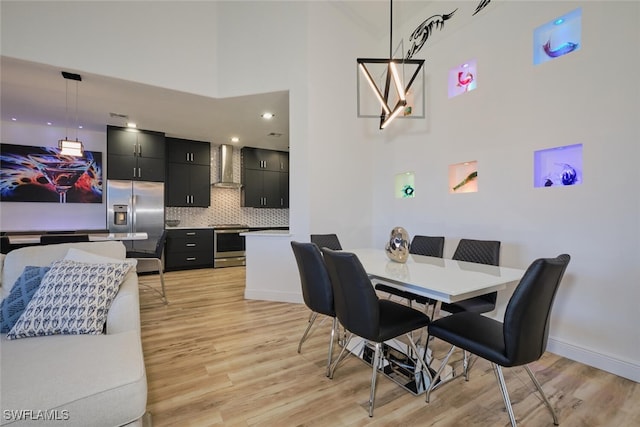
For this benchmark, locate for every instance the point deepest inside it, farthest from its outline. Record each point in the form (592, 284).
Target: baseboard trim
(608, 363)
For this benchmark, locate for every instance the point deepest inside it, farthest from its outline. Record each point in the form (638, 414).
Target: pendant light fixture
(392, 77)
(68, 147)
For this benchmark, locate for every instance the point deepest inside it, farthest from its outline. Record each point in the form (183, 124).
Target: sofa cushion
(73, 298)
(98, 379)
(21, 293)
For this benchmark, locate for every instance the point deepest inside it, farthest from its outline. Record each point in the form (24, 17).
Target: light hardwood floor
(213, 359)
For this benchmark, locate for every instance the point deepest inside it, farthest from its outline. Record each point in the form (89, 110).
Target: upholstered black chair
(420, 245)
(481, 252)
(155, 255)
(361, 312)
(47, 239)
(5, 244)
(520, 339)
(330, 241)
(317, 292)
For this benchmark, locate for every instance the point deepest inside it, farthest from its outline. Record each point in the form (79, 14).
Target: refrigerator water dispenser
(120, 214)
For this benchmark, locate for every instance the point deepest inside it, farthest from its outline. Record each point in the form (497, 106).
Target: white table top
(98, 237)
(445, 280)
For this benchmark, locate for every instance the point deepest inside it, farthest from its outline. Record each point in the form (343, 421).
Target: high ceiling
(36, 94)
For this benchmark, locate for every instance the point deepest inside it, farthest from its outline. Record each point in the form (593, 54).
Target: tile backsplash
(225, 204)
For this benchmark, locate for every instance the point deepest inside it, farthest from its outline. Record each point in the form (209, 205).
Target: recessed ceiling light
(80, 127)
(131, 125)
(49, 123)
(235, 139)
(14, 119)
(267, 116)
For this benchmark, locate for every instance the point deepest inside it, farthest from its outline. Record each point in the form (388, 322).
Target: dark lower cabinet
(189, 248)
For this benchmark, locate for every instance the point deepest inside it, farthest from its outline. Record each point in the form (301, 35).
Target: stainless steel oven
(228, 245)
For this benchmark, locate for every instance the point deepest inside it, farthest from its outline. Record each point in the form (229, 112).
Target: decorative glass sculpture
(397, 249)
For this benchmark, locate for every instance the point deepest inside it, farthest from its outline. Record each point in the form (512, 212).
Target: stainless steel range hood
(225, 168)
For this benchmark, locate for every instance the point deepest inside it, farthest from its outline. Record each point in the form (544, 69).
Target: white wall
(519, 108)
(342, 167)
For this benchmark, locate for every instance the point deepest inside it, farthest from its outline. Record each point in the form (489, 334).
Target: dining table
(440, 280)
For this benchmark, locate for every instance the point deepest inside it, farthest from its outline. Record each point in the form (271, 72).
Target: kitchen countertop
(267, 232)
(186, 227)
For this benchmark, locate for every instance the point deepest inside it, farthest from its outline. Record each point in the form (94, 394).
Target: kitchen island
(271, 272)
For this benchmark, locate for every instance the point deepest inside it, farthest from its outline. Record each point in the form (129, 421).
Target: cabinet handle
(134, 172)
(191, 258)
(281, 201)
(191, 245)
(139, 174)
(135, 149)
(140, 150)
(190, 233)
(187, 156)
(192, 157)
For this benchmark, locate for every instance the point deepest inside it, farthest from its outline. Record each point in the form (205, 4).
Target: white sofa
(77, 380)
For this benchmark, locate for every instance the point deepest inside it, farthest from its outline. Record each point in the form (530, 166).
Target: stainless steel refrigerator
(136, 207)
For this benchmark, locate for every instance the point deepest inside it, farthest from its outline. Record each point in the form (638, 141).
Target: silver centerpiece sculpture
(397, 249)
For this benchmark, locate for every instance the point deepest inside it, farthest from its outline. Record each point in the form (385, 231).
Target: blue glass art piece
(558, 37)
(557, 167)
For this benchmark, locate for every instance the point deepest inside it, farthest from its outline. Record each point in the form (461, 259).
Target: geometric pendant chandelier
(393, 95)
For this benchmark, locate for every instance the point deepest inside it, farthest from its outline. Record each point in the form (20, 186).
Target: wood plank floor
(215, 359)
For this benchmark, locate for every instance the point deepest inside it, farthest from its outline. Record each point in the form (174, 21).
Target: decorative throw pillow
(14, 304)
(73, 298)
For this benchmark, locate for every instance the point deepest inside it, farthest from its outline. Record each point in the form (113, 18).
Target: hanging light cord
(390, 29)
(66, 109)
(77, 111)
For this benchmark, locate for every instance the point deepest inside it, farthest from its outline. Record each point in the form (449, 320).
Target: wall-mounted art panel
(463, 177)
(558, 166)
(558, 37)
(405, 185)
(42, 174)
(463, 78)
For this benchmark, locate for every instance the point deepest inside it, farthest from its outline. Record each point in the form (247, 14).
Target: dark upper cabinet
(135, 154)
(257, 158)
(188, 151)
(265, 178)
(188, 173)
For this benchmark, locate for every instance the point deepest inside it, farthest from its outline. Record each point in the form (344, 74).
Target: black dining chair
(420, 245)
(5, 244)
(155, 255)
(361, 312)
(481, 252)
(317, 292)
(521, 338)
(48, 239)
(330, 241)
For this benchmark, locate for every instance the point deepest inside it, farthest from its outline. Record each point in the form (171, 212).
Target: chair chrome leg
(341, 356)
(164, 295)
(374, 375)
(312, 319)
(425, 367)
(465, 364)
(333, 337)
(505, 394)
(544, 396)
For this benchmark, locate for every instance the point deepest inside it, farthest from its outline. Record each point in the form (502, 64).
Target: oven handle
(230, 231)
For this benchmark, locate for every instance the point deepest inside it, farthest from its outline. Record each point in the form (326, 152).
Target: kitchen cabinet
(188, 151)
(188, 173)
(265, 178)
(188, 248)
(133, 154)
